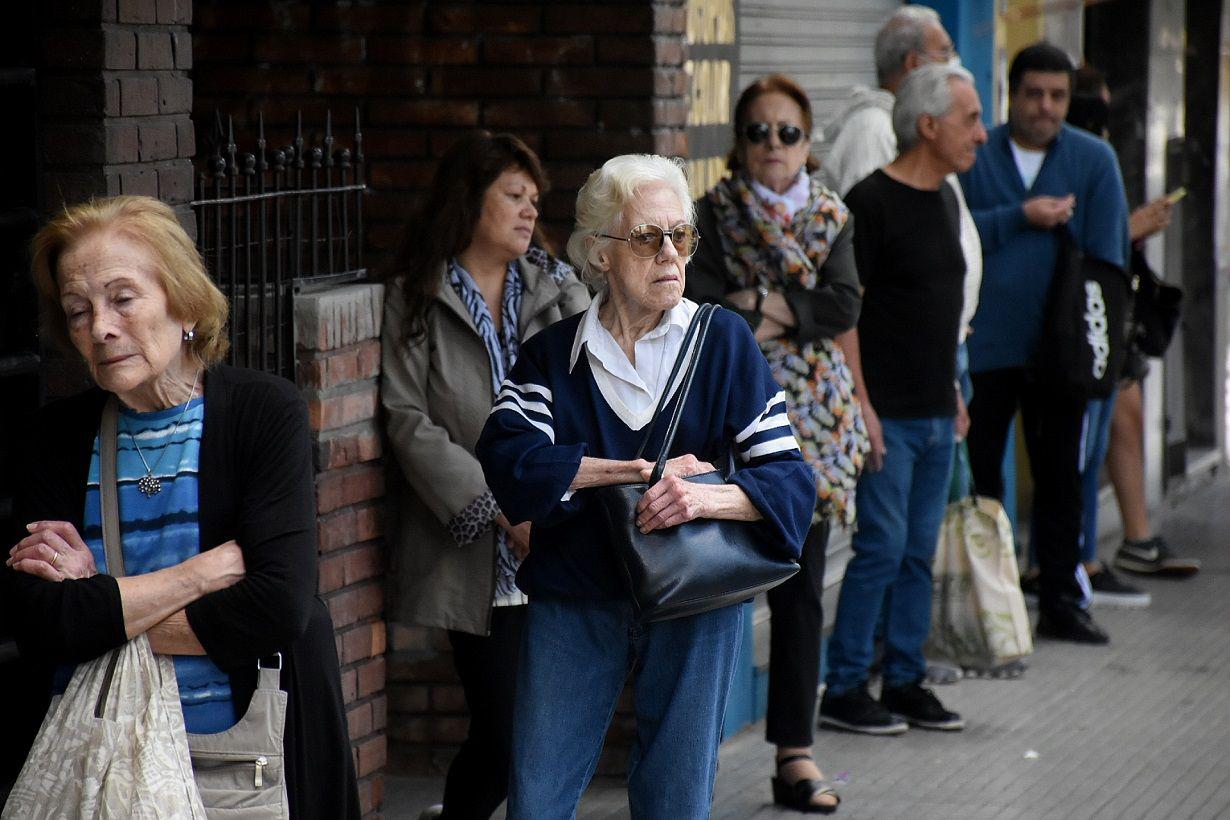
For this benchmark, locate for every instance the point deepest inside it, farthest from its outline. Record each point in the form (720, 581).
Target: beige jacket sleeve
(444, 474)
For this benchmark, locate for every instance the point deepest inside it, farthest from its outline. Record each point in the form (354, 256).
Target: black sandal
(799, 794)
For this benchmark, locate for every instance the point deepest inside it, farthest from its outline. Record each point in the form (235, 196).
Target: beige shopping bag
(113, 745)
(978, 616)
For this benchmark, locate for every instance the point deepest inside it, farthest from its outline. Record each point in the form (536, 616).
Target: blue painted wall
(971, 24)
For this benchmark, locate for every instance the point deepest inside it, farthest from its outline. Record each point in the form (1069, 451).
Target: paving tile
(1139, 729)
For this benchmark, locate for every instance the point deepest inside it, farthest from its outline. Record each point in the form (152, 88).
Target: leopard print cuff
(474, 520)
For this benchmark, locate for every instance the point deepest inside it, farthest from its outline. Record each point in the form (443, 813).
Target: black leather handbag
(1157, 308)
(1088, 316)
(700, 565)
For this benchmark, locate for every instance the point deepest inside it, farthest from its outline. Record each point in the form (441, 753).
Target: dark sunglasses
(758, 132)
(647, 240)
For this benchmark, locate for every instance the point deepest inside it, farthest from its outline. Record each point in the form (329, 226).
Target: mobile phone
(1177, 194)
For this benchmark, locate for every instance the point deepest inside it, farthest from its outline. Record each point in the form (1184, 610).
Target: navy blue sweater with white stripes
(548, 416)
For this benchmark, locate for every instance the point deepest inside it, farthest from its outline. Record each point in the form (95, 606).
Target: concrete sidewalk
(1139, 729)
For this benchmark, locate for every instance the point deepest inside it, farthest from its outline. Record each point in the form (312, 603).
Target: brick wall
(579, 81)
(115, 101)
(338, 348)
(114, 106)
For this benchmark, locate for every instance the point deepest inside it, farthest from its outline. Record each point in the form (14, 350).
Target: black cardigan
(255, 486)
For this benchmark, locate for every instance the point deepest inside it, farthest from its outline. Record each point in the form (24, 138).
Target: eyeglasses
(647, 240)
(758, 132)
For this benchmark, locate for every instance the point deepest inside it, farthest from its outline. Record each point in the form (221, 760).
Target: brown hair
(191, 295)
(769, 84)
(444, 225)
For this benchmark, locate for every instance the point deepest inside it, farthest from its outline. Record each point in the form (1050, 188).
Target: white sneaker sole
(892, 729)
(945, 726)
(1116, 601)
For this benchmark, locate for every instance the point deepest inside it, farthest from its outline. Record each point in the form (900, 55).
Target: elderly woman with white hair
(570, 417)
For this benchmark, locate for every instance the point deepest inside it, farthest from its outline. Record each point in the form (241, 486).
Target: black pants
(794, 646)
(1052, 421)
(477, 781)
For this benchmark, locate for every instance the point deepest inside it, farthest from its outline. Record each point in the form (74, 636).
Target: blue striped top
(161, 531)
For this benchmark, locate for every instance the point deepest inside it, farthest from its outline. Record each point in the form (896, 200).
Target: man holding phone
(1036, 173)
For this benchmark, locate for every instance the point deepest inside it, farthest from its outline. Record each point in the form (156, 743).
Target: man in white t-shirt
(1033, 174)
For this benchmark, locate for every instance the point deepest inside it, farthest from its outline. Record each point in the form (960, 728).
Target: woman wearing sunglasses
(465, 288)
(570, 416)
(780, 254)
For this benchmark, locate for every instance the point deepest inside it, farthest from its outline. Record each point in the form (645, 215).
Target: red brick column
(338, 345)
(116, 101)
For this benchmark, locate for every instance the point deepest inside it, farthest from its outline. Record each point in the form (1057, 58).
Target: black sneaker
(920, 707)
(1108, 590)
(1070, 623)
(857, 711)
(1153, 557)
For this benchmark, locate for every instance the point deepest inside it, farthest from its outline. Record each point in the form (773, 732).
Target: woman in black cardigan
(123, 284)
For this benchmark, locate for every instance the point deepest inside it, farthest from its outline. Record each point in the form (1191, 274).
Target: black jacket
(256, 486)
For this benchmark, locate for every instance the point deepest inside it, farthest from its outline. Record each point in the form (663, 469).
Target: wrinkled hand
(875, 434)
(518, 537)
(742, 299)
(221, 566)
(1048, 211)
(769, 329)
(682, 466)
(670, 502)
(1149, 219)
(52, 551)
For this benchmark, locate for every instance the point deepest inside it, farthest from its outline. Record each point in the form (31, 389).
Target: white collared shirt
(632, 391)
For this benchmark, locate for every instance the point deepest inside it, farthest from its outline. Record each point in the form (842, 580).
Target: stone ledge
(337, 317)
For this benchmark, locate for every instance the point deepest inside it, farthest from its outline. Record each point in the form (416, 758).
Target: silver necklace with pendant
(149, 484)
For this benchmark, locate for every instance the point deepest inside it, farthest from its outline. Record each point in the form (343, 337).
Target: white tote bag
(978, 616)
(113, 745)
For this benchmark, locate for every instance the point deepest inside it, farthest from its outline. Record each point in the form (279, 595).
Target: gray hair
(603, 197)
(927, 90)
(901, 34)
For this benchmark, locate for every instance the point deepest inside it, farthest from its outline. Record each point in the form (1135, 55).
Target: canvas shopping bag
(113, 745)
(978, 616)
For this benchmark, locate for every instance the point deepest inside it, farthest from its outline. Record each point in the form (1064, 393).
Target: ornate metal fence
(270, 224)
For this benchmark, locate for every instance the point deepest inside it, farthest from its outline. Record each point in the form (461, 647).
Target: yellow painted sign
(711, 21)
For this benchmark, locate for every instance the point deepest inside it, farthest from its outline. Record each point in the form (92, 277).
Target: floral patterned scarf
(764, 246)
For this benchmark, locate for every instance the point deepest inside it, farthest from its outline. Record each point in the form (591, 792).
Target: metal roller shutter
(826, 45)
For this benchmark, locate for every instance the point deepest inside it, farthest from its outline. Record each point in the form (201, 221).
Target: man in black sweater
(909, 257)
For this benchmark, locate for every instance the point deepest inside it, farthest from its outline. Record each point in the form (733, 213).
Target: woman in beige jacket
(467, 286)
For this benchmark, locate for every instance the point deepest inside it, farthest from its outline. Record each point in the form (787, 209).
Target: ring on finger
(55, 562)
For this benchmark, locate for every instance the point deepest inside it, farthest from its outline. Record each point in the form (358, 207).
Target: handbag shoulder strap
(109, 502)
(684, 349)
(702, 321)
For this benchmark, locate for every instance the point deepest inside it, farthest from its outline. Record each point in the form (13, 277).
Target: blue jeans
(1098, 415)
(575, 657)
(899, 513)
